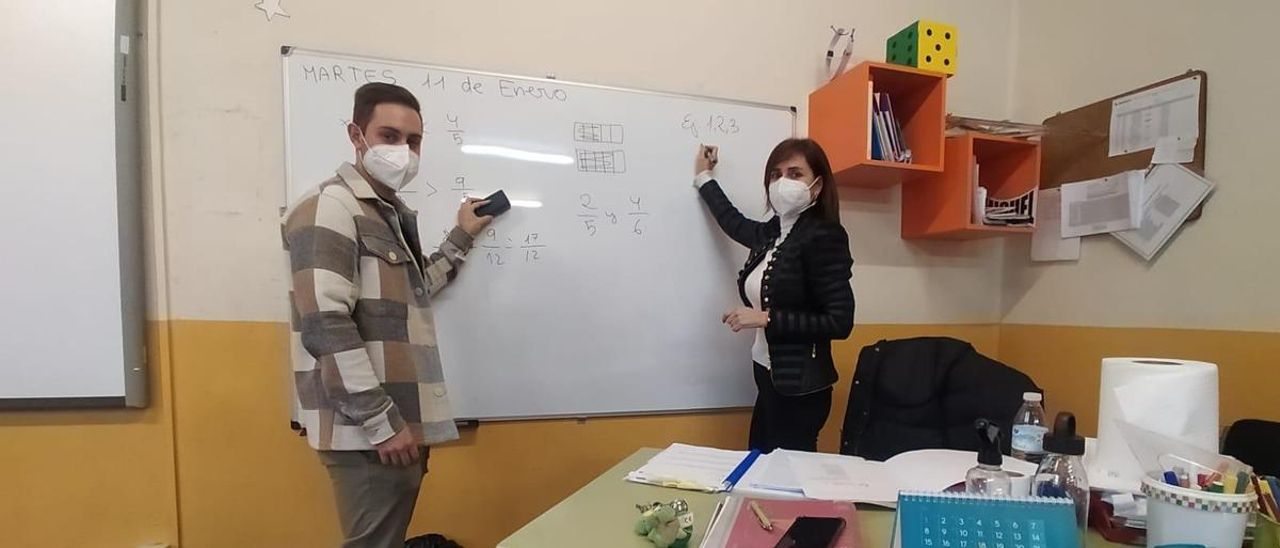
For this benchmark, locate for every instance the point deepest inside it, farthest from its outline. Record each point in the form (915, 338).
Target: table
(603, 512)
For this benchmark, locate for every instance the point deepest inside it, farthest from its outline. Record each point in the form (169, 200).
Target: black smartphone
(807, 532)
(498, 204)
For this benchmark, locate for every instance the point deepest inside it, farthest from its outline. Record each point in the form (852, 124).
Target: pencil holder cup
(1266, 534)
(1177, 515)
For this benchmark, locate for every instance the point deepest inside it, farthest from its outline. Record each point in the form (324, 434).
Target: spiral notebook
(957, 520)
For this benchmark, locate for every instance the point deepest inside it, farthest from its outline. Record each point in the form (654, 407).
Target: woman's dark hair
(828, 201)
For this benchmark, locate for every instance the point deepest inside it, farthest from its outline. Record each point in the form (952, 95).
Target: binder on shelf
(877, 149)
(904, 152)
(890, 148)
(886, 128)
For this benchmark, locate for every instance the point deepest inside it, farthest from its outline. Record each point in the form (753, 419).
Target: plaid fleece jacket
(365, 361)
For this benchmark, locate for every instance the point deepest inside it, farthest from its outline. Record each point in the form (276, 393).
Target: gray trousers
(375, 501)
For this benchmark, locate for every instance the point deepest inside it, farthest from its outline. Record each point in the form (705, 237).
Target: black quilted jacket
(805, 288)
(925, 393)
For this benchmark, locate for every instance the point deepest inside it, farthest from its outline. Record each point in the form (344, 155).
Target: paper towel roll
(1173, 398)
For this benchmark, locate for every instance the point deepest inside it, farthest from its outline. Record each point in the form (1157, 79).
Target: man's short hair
(373, 94)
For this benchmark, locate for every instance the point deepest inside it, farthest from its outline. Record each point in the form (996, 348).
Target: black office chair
(925, 393)
(1256, 443)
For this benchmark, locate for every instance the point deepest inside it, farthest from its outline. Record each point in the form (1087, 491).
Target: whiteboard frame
(129, 198)
(287, 51)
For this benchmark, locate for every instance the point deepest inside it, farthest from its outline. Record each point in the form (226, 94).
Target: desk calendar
(953, 520)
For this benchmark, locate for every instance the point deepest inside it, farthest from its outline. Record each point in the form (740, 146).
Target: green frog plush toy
(666, 525)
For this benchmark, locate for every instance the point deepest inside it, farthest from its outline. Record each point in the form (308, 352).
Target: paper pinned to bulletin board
(1079, 144)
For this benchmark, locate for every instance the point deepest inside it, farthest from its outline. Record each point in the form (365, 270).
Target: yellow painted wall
(91, 478)
(246, 480)
(1065, 361)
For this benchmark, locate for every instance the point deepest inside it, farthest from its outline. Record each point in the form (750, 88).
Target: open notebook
(695, 468)
(841, 477)
(736, 527)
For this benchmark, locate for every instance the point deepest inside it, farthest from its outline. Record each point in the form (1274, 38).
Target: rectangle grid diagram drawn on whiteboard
(601, 291)
(586, 132)
(602, 161)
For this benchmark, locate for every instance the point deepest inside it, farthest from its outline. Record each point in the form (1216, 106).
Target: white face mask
(790, 196)
(391, 165)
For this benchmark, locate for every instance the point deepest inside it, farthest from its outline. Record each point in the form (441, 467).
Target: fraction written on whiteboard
(503, 249)
(598, 218)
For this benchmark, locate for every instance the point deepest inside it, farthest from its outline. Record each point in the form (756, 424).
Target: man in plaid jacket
(366, 367)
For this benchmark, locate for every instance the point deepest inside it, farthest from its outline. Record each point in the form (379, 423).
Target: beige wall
(221, 129)
(1220, 271)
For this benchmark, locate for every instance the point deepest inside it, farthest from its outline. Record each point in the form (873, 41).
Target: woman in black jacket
(794, 288)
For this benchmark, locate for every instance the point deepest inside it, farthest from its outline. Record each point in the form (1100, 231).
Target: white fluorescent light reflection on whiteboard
(517, 154)
(526, 203)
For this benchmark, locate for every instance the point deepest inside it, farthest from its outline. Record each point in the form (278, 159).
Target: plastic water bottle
(987, 478)
(1062, 473)
(1029, 429)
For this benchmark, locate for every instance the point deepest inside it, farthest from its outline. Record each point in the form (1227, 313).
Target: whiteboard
(72, 329)
(607, 298)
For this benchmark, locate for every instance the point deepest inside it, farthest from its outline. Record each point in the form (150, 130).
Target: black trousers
(786, 422)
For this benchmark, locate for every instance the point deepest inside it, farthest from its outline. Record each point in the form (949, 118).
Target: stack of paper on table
(689, 467)
(845, 478)
(735, 526)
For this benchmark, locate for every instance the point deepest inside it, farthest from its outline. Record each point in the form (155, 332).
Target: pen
(1267, 496)
(1263, 490)
(764, 520)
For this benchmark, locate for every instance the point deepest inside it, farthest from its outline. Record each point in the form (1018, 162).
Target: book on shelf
(887, 141)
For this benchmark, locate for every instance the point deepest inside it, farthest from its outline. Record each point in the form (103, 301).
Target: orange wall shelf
(940, 205)
(840, 121)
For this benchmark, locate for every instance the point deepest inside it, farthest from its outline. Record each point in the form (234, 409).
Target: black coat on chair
(1255, 442)
(925, 393)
